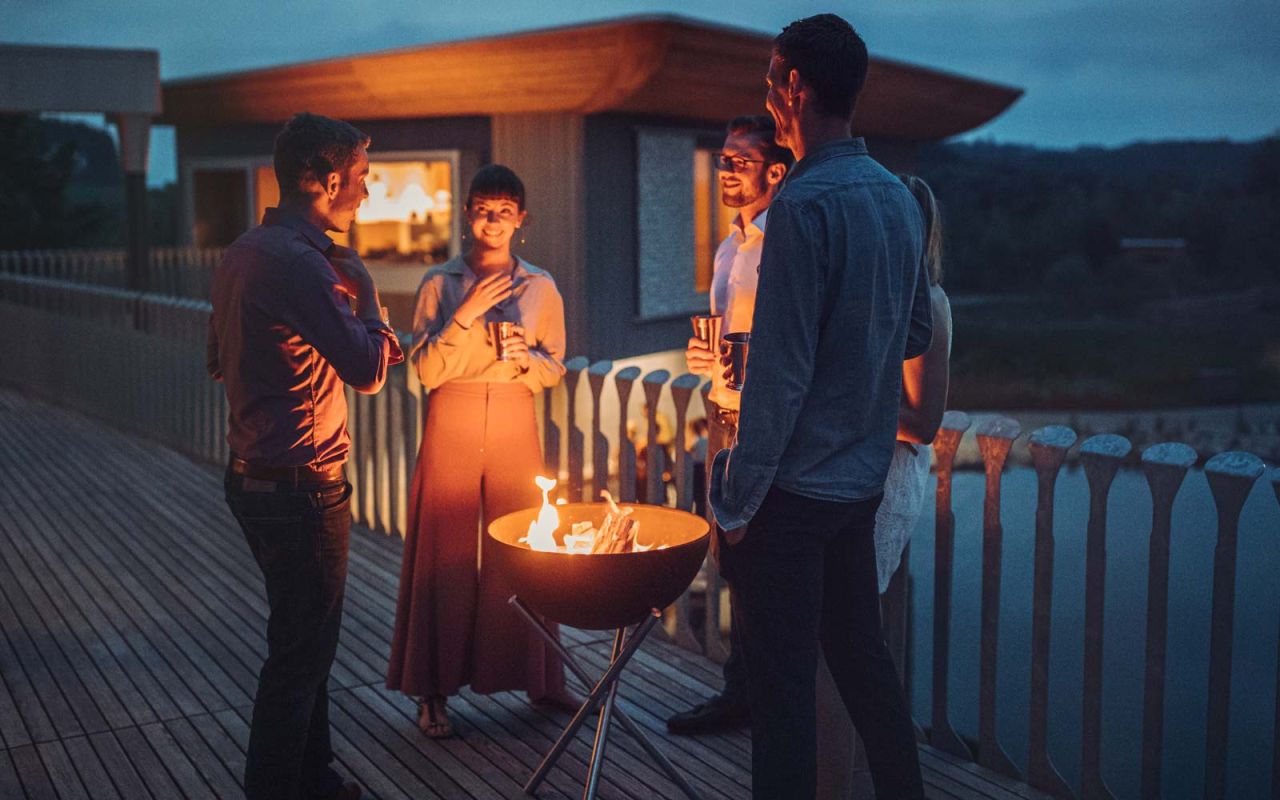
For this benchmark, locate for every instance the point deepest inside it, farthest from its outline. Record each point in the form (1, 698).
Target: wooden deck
(133, 628)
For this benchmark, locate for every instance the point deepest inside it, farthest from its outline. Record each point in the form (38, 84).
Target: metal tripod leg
(602, 728)
(632, 642)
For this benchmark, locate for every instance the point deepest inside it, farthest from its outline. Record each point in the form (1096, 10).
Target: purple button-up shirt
(284, 340)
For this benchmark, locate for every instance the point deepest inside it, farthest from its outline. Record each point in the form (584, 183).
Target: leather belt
(291, 476)
(727, 417)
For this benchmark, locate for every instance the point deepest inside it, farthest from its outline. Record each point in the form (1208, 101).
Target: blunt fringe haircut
(932, 225)
(830, 56)
(310, 146)
(763, 127)
(496, 180)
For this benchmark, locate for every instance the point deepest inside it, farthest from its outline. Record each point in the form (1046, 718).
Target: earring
(522, 236)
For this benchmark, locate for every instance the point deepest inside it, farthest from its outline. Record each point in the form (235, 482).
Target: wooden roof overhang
(667, 66)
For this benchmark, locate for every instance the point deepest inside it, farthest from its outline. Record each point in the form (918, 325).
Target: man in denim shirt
(841, 303)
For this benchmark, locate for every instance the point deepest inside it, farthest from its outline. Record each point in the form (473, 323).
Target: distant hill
(1193, 161)
(1013, 213)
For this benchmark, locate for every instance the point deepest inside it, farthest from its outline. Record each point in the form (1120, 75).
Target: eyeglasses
(728, 163)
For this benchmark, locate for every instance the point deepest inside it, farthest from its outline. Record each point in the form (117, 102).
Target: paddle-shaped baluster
(551, 433)
(682, 389)
(713, 647)
(995, 437)
(655, 461)
(681, 393)
(945, 444)
(624, 380)
(574, 368)
(1101, 456)
(1165, 466)
(1275, 731)
(1231, 477)
(599, 442)
(1049, 447)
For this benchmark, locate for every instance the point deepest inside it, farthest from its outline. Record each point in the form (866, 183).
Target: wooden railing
(171, 271)
(137, 361)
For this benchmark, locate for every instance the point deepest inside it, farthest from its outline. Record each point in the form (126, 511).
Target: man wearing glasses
(752, 166)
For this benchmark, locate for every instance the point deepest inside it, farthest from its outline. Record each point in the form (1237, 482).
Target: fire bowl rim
(532, 513)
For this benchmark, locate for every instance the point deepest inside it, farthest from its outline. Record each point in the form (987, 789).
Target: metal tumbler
(497, 332)
(735, 346)
(707, 328)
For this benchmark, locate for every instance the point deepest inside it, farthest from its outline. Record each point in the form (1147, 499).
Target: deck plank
(132, 620)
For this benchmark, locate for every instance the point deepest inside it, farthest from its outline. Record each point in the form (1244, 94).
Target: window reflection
(407, 218)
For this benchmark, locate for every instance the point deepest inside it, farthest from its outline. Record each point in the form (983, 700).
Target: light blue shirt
(842, 302)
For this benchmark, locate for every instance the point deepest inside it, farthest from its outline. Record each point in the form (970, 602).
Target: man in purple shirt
(284, 340)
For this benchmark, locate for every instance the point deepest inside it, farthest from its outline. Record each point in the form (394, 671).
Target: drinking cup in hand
(734, 347)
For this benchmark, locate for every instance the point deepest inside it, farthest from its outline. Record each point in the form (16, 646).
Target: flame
(542, 530)
(582, 537)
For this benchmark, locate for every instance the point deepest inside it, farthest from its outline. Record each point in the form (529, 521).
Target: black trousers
(805, 573)
(299, 538)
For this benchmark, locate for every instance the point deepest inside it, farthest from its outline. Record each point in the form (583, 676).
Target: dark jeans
(299, 538)
(806, 573)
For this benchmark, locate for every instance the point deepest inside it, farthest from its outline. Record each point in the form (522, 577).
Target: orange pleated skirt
(454, 626)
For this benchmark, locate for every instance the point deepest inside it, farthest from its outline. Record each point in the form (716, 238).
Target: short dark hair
(310, 146)
(830, 56)
(496, 180)
(765, 129)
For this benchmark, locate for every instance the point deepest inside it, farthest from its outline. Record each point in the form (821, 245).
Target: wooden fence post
(995, 437)
(1101, 456)
(941, 734)
(1049, 447)
(655, 490)
(574, 368)
(599, 442)
(682, 389)
(714, 648)
(624, 380)
(1165, 466)
(1231, 477)
(1275, 731)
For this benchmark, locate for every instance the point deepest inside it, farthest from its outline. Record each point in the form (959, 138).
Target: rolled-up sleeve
(212, 363)
(780, 364)
(360, 351)
(443, 350)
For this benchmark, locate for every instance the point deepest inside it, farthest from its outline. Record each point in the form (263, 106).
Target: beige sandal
(433, 717)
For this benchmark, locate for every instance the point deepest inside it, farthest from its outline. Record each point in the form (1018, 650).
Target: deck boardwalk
(132, 617)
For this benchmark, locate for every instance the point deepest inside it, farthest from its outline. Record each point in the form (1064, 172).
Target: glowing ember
(617, 534)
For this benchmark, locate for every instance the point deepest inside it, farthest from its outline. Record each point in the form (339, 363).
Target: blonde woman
(924, 399)
(477, 461)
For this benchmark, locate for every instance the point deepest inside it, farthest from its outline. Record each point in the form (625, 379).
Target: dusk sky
(1105, 72)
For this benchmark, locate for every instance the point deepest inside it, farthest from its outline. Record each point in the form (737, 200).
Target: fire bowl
(599, 592)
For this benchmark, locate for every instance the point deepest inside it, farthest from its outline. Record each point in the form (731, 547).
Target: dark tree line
(35, 202)
(1020, 219)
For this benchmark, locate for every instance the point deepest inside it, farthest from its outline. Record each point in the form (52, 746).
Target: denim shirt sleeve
(780, 365)
(920, 329)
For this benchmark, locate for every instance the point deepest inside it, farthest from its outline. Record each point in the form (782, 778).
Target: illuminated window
(407, 218)
(711, 218)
